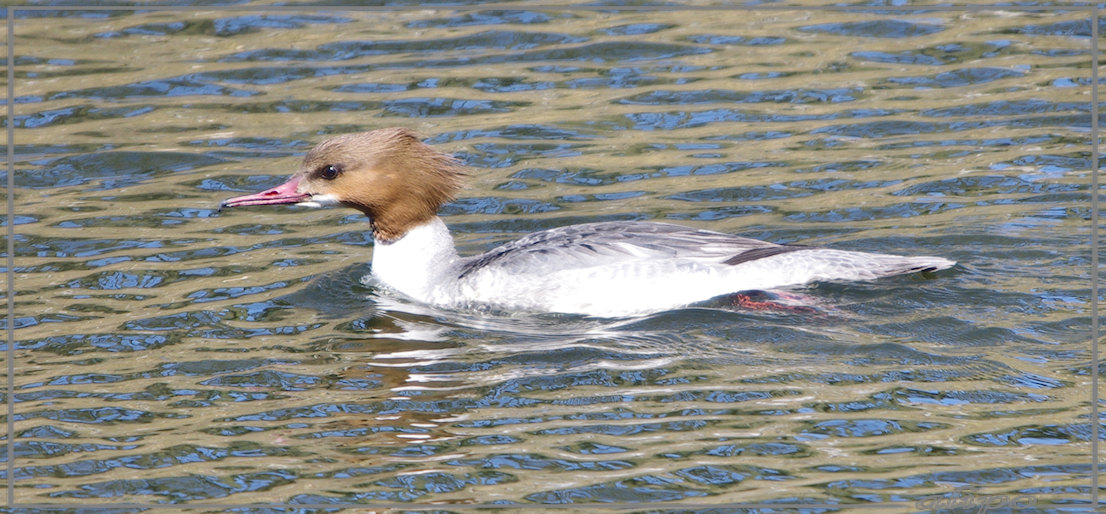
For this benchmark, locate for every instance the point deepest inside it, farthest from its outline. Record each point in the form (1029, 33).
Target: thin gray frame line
(567, 7)
(11, 10)
(1094, 256)
(11, 255)
(466, 506)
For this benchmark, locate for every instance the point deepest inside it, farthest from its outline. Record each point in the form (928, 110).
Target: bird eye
(330, 172)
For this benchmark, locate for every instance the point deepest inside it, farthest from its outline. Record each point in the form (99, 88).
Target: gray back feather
(591, 244)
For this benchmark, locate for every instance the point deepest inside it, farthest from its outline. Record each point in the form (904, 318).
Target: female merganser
(613, 268)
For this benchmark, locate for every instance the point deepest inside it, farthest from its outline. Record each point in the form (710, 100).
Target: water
(167, 354)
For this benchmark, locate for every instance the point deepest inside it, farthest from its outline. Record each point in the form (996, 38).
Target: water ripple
(144, 317)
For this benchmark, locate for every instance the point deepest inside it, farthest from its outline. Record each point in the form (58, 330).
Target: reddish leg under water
(749, 301)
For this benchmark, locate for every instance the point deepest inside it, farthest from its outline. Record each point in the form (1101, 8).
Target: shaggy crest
(407, 180)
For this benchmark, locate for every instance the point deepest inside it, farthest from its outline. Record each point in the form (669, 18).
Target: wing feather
(590, 244)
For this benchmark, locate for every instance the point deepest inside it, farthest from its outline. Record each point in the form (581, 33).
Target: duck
(604, 269)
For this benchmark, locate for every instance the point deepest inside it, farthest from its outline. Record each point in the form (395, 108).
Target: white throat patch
(318, 201)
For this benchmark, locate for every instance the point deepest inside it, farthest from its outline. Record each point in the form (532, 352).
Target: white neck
(414, 263)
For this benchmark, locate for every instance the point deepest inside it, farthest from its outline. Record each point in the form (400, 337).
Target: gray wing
(590, 244)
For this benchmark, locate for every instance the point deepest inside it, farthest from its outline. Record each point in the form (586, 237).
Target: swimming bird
(607, 269)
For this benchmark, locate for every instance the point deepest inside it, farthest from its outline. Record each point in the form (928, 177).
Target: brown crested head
(389, 174)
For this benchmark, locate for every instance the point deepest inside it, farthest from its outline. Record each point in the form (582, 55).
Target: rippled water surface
(167, 354)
